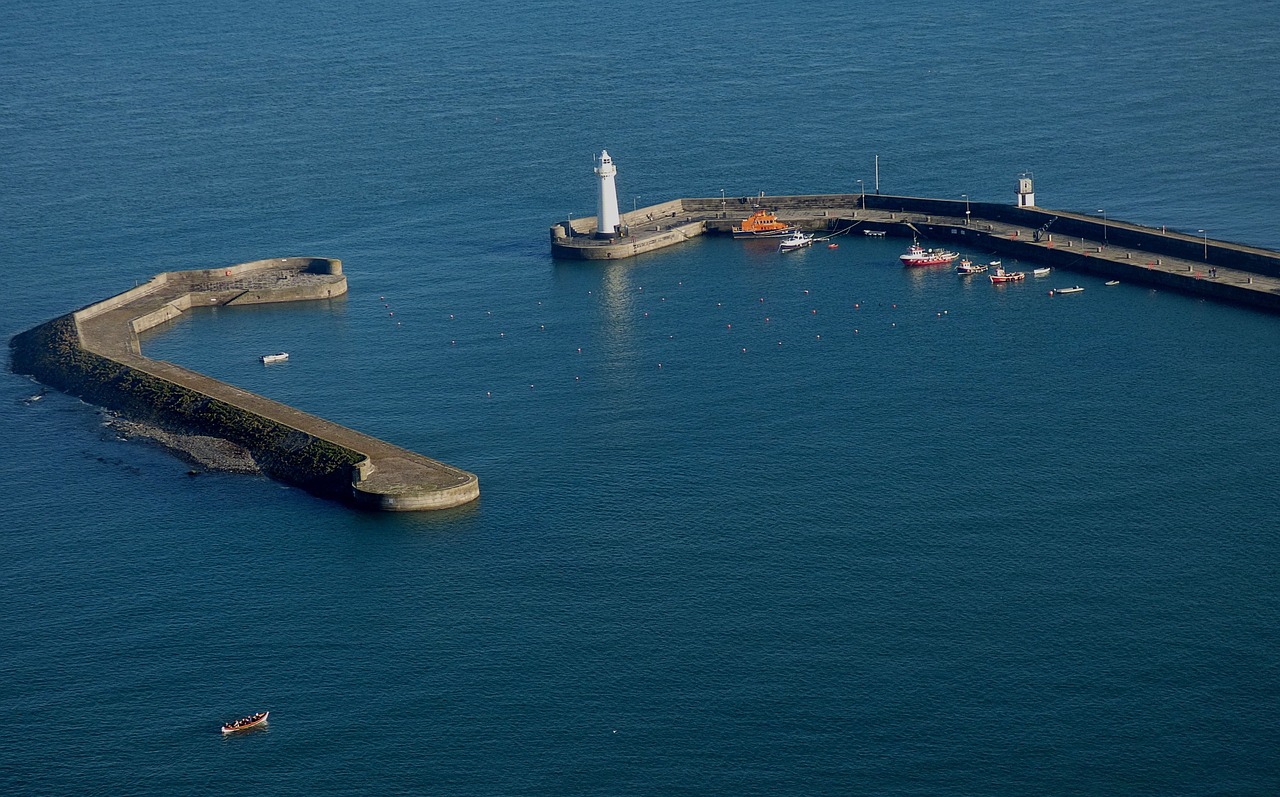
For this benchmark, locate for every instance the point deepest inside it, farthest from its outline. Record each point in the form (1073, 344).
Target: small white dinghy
(278, 357)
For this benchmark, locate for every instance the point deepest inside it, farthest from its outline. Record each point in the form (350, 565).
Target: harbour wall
(94, 353)
(644, 230)
(1188, 263)
(53, 354)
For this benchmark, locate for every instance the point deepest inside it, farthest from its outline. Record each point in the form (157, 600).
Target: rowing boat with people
(246, 723)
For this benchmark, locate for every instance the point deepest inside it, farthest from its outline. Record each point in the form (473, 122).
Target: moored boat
(969, 267)
(279, 357)
(762, 224)
(1075, 289)
(798, 240)
(1041, 272)
(874, 233)
(1000, 276)
(245, 723)
(1112, 282)
(917, 255)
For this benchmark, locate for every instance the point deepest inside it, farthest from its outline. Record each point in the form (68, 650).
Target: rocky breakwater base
(94, 353)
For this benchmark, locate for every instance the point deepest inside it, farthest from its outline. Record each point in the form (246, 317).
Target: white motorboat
(278, 357)
(798, 240)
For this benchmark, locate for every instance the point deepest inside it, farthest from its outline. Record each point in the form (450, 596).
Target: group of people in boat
(246, 721)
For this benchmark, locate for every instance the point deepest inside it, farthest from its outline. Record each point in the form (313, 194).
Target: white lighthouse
(607, 220)
(1026, 191)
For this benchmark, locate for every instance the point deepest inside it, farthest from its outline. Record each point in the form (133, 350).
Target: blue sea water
(749, 524)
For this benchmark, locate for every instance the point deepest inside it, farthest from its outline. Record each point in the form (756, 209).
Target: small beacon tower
(1026, 193)
(607, 220)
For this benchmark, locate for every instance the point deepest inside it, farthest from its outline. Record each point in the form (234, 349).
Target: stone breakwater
(94, 353)
(1188, 263)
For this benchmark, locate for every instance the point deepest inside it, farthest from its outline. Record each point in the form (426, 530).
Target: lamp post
(634, 200)
(966, 209)
(862, 194)
(1104, 226)
(1205, 233)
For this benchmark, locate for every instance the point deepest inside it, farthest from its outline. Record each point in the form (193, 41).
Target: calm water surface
(749, 524)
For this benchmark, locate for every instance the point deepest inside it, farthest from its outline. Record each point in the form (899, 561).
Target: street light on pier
(1104, 226)
(862, 193)
(722, 199)
(966, 209)
(634, 200)
(1205, 233)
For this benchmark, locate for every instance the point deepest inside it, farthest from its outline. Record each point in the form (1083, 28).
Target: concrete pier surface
(1185, 262)
(383, 477)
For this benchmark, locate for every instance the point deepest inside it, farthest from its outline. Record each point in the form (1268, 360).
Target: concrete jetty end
(94, 353)
(1185, 262)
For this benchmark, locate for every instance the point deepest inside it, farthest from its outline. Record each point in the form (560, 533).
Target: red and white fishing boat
(917, 255)
(246, 723)
(1000, 276)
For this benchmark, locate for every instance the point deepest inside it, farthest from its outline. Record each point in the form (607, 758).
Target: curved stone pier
(94, 353)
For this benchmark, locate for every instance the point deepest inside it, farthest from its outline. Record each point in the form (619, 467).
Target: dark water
(749, 524)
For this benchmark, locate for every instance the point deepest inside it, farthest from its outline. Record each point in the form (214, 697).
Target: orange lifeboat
(762, 224)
